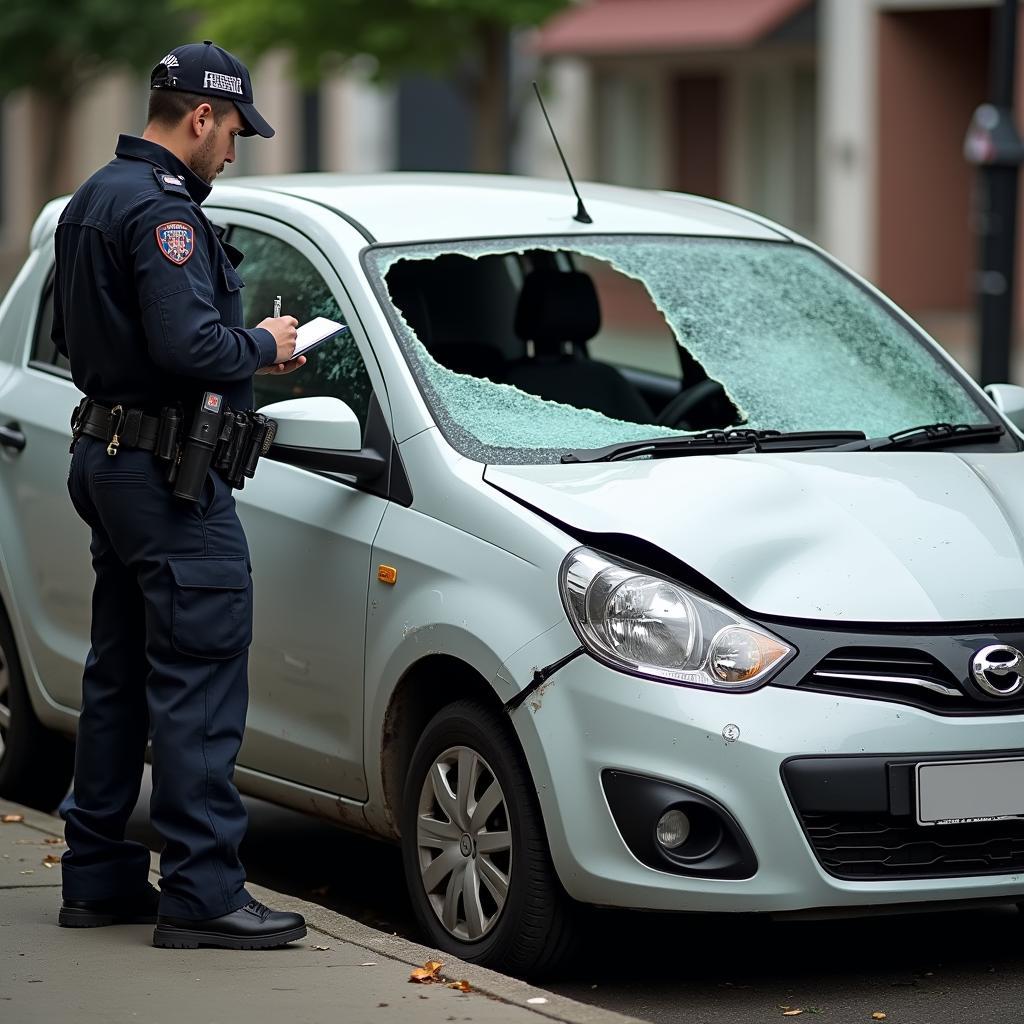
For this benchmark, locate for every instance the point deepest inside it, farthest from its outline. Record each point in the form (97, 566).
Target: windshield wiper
(717, 442)
(931, 435)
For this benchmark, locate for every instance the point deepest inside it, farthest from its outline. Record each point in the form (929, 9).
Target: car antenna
(581, 211)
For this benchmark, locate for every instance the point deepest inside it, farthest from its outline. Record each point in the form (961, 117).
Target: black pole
(997, 185)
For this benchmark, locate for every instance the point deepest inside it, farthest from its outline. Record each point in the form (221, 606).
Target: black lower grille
(872, 847)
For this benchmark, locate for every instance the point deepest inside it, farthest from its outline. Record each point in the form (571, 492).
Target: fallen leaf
(50, 860)
(462, 986)
(878, 1015)
(427, 973)
(54, 841)
(321, 948)
(12, 819)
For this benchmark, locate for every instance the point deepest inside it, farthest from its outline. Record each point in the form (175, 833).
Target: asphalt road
(960, 968)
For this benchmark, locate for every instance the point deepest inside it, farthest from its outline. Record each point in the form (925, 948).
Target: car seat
(436, 299)
(558, 312)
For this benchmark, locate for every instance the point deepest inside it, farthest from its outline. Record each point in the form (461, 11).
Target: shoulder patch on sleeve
(177, 241)
(170, 182)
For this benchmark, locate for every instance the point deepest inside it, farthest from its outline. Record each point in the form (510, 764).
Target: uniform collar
(133, 148)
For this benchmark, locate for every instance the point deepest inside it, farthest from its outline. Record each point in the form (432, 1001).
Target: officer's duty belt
(133, 427)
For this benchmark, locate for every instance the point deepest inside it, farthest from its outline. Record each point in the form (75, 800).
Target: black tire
(36, 763)
(532, 932)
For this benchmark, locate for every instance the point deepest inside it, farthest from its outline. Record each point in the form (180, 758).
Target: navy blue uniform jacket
(146, 302)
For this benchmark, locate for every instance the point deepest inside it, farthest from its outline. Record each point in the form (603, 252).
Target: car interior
(529, 319)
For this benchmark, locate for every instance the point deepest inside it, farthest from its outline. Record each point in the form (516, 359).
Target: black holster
(245, 437)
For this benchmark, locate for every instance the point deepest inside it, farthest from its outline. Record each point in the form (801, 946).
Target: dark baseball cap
(208, 70)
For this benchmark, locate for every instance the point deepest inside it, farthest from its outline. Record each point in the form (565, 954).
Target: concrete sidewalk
(343, 972)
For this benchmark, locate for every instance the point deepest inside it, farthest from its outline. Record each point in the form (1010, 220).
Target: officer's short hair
(168, 106)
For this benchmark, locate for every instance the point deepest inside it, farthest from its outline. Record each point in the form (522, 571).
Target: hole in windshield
(527, 350)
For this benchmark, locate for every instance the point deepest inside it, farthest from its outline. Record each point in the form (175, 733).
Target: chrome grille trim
(927, 684)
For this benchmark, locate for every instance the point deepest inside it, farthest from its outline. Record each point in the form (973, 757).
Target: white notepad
(315, 332)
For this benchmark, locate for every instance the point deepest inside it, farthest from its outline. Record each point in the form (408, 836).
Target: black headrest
(556, 306)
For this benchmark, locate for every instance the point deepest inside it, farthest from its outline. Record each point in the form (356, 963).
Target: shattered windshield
(528, 348)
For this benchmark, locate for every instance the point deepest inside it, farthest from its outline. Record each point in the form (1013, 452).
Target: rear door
(45, 545)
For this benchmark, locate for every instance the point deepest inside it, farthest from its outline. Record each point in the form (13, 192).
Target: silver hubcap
(5, 700)
(464, 842)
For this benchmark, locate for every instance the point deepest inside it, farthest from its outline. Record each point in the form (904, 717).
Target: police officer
(148, 310)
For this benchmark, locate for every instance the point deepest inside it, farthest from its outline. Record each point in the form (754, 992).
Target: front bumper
(588, 718)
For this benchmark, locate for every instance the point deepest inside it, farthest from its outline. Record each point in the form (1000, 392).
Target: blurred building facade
(843, 119)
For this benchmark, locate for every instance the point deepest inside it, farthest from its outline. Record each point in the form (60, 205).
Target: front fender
(455, 595)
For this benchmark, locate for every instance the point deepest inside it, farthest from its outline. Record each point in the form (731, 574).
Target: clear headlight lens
(651, 626)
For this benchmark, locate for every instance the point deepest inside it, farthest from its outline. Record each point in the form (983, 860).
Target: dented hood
(850, 536)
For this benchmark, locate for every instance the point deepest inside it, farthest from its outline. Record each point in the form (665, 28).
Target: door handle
(12, 438)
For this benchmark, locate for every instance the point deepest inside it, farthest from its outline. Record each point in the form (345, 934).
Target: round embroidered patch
(177, 241)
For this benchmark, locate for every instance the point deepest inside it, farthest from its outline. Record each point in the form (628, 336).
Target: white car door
(45, 544)
(310, 538)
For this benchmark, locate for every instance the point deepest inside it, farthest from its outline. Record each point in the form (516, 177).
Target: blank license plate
(954, 792)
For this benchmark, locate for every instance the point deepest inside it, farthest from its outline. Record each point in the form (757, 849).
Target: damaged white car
(657, 562)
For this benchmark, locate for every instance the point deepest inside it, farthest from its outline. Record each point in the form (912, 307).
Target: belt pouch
(78, 420)
(240, 445)
(129, 433)
(255, 450)
(167, 433)
(222, 456)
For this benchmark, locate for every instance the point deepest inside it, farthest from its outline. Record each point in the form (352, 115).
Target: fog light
(673, 829)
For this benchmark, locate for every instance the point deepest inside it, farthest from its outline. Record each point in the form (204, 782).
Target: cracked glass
(766, 335)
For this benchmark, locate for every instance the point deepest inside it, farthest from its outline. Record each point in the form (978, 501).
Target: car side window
(272, 267)
(43, 349)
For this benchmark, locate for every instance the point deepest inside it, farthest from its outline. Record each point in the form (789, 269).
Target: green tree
(58, 47)
(437, 36)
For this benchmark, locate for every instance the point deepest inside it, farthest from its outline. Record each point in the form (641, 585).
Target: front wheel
(474, 847)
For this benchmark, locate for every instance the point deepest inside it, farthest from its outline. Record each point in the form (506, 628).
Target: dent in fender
(540, 677)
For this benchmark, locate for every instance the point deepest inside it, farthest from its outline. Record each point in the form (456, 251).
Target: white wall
(568, 89)
(847, 154)
(359, 123)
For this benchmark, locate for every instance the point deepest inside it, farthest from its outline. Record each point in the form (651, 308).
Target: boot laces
(259, 909)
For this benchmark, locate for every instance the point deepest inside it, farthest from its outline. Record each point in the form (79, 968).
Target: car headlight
(650, 626)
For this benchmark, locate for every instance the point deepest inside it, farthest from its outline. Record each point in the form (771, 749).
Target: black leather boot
(140, 908)
(253, 926)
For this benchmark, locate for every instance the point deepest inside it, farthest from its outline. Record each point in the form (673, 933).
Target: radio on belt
(198, 448)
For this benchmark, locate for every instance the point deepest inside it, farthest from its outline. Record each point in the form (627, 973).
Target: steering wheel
(676, 412)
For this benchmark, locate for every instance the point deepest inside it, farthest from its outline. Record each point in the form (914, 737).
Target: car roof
(415, 207)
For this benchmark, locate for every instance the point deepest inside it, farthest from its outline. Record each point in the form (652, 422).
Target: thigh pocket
(212, 611)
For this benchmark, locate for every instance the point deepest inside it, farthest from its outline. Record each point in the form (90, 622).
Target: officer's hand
(283, 328)
(286, 367)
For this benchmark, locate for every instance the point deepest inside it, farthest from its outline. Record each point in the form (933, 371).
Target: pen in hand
(282, 333)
